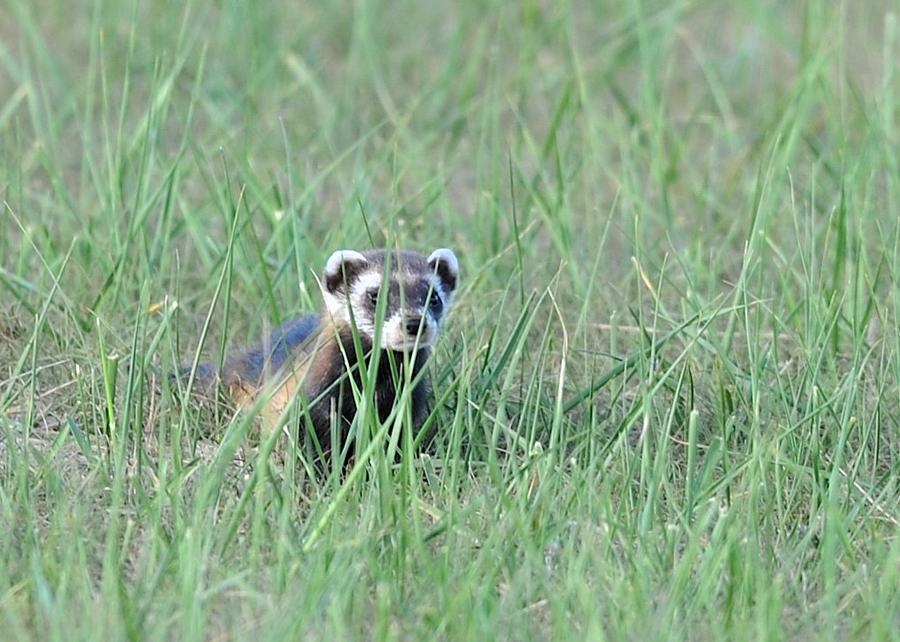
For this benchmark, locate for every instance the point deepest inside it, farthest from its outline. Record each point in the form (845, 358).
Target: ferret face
(416, 292)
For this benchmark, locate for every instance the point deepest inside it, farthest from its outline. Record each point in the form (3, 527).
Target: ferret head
(419, 292)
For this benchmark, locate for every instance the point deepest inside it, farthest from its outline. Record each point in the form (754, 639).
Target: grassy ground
(669, 388)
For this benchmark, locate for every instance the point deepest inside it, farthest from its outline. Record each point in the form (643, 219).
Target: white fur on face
(395, 337)
(393, 334)
(337, 306)
(367, 281)
(365, 320)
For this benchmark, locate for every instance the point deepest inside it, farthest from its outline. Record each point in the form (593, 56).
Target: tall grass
(666, 398)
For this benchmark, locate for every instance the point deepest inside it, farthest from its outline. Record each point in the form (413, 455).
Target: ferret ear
(443, 261)
(342, 268)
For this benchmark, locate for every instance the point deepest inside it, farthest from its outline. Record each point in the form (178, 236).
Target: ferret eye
(435, 303)
(372, 296)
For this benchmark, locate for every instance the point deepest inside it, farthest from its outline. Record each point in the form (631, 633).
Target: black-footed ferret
(315, 355)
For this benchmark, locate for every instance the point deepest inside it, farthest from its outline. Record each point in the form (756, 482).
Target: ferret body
(316, 356)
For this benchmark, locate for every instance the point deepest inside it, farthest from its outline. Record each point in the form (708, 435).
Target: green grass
(668, 391)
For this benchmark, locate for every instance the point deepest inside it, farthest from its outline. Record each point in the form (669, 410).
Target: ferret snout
(410, 329)
(413, 323)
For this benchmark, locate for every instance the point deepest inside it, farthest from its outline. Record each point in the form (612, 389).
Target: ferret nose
(413, 324)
